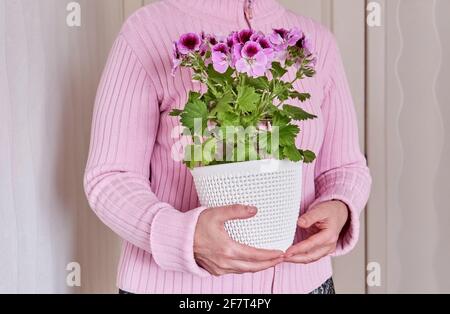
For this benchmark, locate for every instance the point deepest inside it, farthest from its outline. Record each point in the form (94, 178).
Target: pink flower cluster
(246, 51)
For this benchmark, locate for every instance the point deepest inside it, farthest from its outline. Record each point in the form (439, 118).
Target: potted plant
(241, 127)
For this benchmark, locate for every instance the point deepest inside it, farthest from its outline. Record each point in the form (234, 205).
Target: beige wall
(408, 146)
(48, 77)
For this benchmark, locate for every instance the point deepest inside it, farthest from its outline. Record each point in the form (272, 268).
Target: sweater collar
(232, 11)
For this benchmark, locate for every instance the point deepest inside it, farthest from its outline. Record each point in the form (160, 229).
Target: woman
(171, 245)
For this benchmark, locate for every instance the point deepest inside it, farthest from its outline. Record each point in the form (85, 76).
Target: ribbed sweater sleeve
(341, 171)
(117, 184)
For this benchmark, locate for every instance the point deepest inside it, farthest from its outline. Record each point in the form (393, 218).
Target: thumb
(235, 212)
(311, 217)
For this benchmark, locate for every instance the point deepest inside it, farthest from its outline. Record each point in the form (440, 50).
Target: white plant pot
(273, 186)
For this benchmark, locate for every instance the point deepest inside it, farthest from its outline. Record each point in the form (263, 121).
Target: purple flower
(253, 60)
(277, 37)
(305, 43)
(265, 43)
(243, 36)
(250, 50)
(246, 51)
(188, 43)
(221, 47)
(204, 46)
(294, 36)
(176, 58)
(221, 57)
(257, 36)
(267, 48)
(230, 40)
(281, 38)
(282, 32)
(211, 39)
(236, 54)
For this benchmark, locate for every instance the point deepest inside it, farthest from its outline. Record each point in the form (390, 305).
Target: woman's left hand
(324, 222)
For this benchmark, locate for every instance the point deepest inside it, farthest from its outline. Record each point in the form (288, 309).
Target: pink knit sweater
(149, 200)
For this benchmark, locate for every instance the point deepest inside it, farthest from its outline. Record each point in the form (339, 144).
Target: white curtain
(48, 78)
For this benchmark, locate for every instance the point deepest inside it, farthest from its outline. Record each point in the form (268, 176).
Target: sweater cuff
(172, 240)
(348, 189)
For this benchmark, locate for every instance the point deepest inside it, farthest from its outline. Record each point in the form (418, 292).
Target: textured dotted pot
(273, 186)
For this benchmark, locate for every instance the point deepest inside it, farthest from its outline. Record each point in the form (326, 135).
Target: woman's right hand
(217, 253)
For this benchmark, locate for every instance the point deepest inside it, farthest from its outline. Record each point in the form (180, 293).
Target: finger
(247, 253)
(235, 212)
(311, 217)
(240, 267)
(311, 256)
(313, 242)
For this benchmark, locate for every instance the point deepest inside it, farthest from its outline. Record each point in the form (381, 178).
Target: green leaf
(297, 113)
(188, 159)
(309, 72)
(300, 96)
(281, 90)
(292, 153)
(222, 104)
(209, 151)
(288, 134)
(279, 118)
(290, 62)
(219, 78)
(226, 99)
(308, 156)
(250, 151)
(176, 113)
(209, 97)
(260, 83)
(191, 154)
(264, 140)
(197, 77)
(247, 98)
(277, 70)
(250, 120)
(228, 118)
(194, 109)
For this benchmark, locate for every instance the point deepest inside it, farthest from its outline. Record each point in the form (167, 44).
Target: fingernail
(251, 209)
(302, 221)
